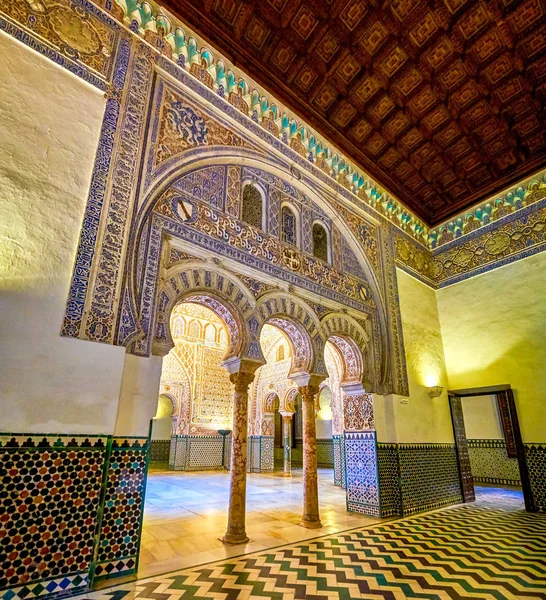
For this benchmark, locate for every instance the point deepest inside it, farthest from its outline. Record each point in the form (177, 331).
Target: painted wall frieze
(513, 238)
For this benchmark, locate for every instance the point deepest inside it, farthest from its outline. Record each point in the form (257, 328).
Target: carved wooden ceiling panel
(443, 102)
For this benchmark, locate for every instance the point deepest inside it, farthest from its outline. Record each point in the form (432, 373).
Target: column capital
(286, 416)
(241, 381)
(241, 365)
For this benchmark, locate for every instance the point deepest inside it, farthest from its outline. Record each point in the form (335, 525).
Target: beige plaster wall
(50, 124)
(481, 418)
(419, 419)
(494, 332)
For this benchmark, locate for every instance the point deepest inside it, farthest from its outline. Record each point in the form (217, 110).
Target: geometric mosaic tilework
(50, 493)
(361, 472)
(199, 452)
(470, 552)
(490, 463)
(121, 521)
(338, 443)
(159, 450)
(429, 476)
(204, 452)
(389, 480)
(417, 477)
(260, 457)
(536, 464)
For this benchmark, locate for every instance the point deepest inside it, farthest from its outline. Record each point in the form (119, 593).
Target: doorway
(488, 441)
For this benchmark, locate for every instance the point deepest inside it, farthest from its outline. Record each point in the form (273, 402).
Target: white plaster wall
(161, 429)
(49, 128)
(420, 419)
(138, 398)
(481, 418)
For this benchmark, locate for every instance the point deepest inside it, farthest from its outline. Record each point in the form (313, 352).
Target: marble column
(311, 518)
(236, 533)
(287, 443)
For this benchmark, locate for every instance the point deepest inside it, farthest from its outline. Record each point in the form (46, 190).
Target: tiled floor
(186, 513)
(487, 550)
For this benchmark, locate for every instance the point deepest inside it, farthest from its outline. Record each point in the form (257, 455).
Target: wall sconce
(435, 391)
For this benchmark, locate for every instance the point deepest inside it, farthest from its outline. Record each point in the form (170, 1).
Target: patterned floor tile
(490, 550)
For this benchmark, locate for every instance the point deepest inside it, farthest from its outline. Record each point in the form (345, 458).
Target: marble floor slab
(186, 513)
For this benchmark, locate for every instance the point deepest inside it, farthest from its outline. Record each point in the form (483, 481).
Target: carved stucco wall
(192, 374)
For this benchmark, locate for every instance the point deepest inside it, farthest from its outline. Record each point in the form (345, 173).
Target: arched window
(288, 226)
(280, 353)
(252, 206)
(195, 330)
(178, 329)
(210, 333)
(320, 242)
(222, 338)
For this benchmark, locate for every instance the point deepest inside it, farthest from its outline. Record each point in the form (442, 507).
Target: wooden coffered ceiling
(443, 102)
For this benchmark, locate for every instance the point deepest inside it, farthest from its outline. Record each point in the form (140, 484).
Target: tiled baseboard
(417, 477)
(490, 462)
(536, 465)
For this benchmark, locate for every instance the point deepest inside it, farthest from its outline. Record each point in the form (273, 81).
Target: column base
(311, 524)
(234, 539)
(287, 474)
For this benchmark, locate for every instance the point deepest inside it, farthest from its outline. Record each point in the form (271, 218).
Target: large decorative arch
(347, 328)
(215, 288)
(301, 326)
(135, 320)
(289, 400)
(351, 358)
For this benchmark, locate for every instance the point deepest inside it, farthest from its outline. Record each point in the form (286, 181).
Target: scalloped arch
(298, 321)
(215, 288)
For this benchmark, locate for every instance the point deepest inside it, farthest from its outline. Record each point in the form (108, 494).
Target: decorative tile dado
(121, 519)
(338, 445)
(417, 477)
(490, 463)
(429, 476)
(536, 463)
(159, 451)
(389, 480)
(362, 483)
(49, 522)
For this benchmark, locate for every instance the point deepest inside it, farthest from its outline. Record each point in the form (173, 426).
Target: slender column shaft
(287, 443)
(311, 518)
(236, 532)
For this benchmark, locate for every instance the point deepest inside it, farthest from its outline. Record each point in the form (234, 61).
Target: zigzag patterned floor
(470, 552)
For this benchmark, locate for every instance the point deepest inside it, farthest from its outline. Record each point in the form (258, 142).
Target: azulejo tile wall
(389, 480)
(536, 463)
(159, 451)
(120, 524)
(71, 503)
(203, 452)
(490, 463)
(338, 446)
(417, 477)
(362, 483)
